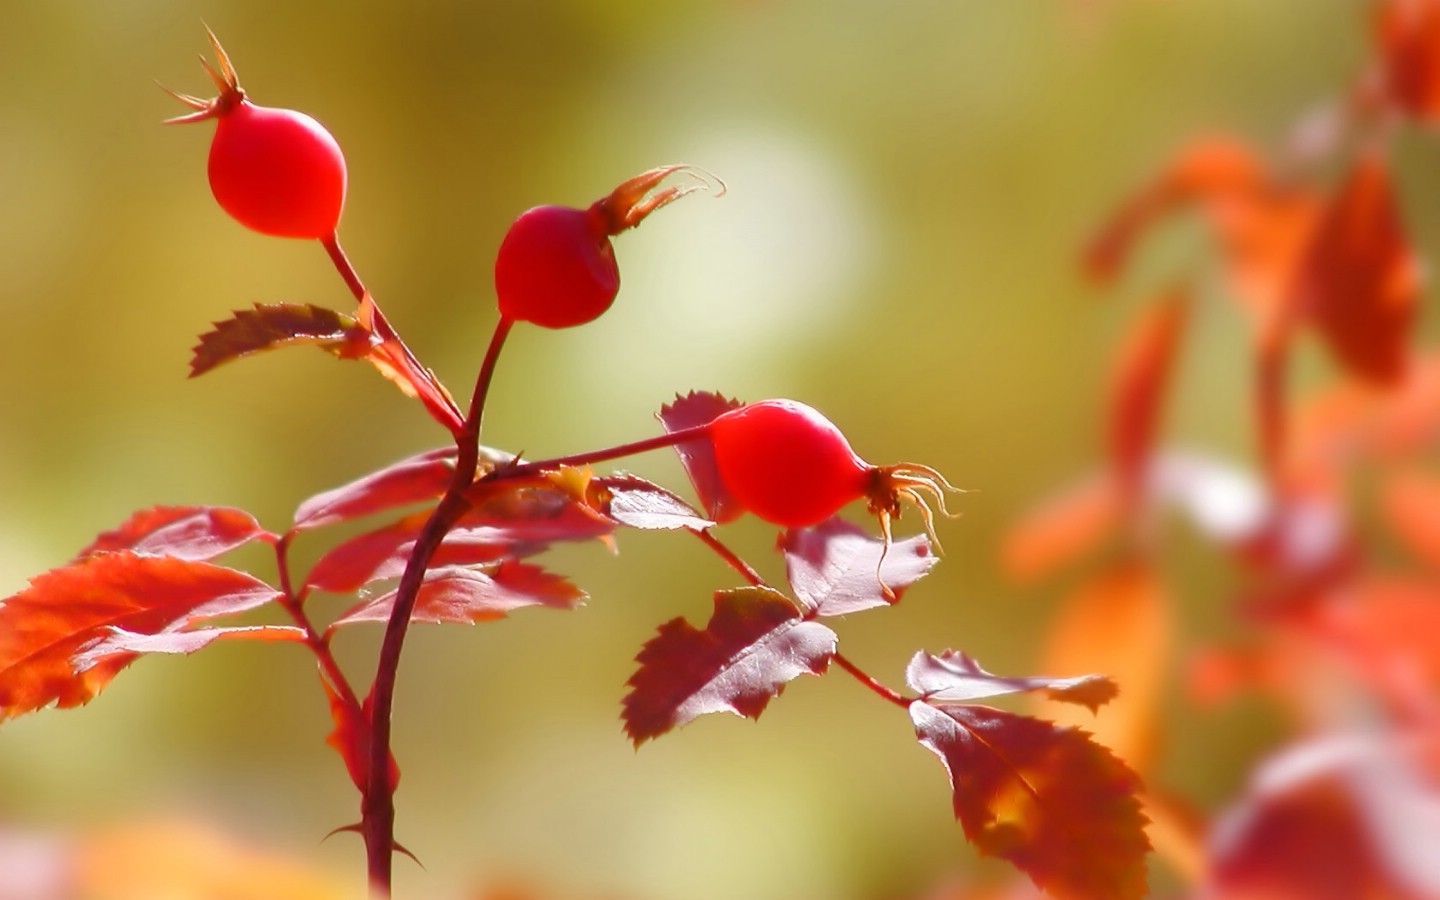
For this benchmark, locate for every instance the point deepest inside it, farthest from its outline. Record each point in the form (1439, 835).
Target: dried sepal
(629, 204)
(225, 79)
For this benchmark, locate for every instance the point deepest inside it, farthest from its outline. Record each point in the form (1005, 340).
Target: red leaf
(1048, 799)
(465, 596)
(120, 641)
(63, 610)
(755, 642)
(185, 532)
(382, 553)
(269, 326)
(637, 503)
(698, 456)
(1212, 170)
(1408, 35)
(418, 478)
(1137, 390)
(351, 738)
(564, 505)
(1062, 529)
(1360, 280)
(837, 568)
(955, 677)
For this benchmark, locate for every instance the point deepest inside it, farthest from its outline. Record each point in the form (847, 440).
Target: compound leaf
(837, 568)
(1057, 805)
(66, 609)
(755, 642)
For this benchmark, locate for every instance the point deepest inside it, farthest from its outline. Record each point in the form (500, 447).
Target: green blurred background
(909, 184)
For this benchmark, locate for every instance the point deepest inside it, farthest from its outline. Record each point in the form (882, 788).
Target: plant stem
(871, 683)
(609, 453)
(378, 803)
(290, 602)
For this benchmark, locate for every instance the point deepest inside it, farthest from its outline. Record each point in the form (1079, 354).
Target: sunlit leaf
(43, 626)
(120, 641)
(351, 737)
(565, 505)
(185, 532)
(415, 479)
(1057, 805)
(755, 642)
(381, 554)
(1360, 280)
(1138, 385)
(955, 677)
(637, 503)
(466, 595)
(269, 326)
(698, 456)
(837, 568)
(1120, 623)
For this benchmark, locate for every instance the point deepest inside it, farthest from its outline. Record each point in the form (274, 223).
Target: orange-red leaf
(1137, 390)
(382, 553)
(755, 642)
(119, 641)
(837, 568)
(1408, 35)
(272, 325)
(43, 626)
(1057, 805)
(465, 595)
(1411, 504)
(1120, 623)
(1062, 529)
(1360, 280)
(955, 677)
(698, 456)
(351, 738)
(186, 532)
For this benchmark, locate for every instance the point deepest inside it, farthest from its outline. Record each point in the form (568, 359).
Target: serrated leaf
(272, 325)
(65, 609)
(637, 503)
(1138, 385)
(755, 642)
(837, 568)
(1057, 805)
(467, 595)
(381, 554)
(184, 532)
(120, 641)
(698, 456)
(955, 677)
(415, 479)
(1360, 279)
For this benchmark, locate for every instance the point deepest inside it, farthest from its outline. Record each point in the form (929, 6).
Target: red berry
(556, 268)
(787, 463)
(277, 171)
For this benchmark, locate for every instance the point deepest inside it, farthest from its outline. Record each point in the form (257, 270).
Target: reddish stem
(609, 453)
(871, 683)
(290, 602)
(378, 803)
(734, 561)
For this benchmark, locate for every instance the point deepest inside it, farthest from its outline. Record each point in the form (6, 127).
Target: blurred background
(909, 186)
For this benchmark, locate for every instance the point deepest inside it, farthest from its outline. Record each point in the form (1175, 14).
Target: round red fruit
(787, 463)
(556, 268)
(277, 171)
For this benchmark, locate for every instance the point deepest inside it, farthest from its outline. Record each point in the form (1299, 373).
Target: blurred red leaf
(755, 642)
(1360, 281)
(1410, 501)
(415, 479)
(1118, 622)
(1209, 170)
(269, 326)
(955, 677)
(836, 568)
(637, 503)
(351, 737)
(698, 456)
(1057, 805)
(466, 595)
(1388, 629)
(1407, 33)
(43, 626)
(1062, 529)
(1137, 389)
(120, 641)
(184, 532)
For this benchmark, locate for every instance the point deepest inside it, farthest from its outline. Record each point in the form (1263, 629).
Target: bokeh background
(909, 185)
